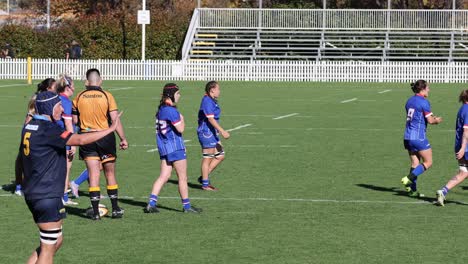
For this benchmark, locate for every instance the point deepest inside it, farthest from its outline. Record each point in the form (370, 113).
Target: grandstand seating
(337, 44)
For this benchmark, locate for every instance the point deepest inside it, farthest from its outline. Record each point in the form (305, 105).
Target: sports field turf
(314, 178)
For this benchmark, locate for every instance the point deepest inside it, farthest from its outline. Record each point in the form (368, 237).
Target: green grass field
(320, 186)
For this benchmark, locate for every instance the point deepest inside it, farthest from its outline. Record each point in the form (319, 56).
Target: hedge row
(104, 37)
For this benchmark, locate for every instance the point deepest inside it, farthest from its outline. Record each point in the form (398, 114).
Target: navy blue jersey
(167, 137)
(418, 109)
(44, 159)
(209, 108)
(462, 123)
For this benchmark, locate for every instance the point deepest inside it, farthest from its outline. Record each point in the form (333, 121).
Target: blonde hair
(32, 105)
(63, 81)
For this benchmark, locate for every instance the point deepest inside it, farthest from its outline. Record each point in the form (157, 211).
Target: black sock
(95, 197)
(113, 191)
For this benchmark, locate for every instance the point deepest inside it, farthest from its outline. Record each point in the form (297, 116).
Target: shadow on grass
(398, 192)
(190, 185)
(9, 187)
(142, 205)
(394, 190)
(80, 212)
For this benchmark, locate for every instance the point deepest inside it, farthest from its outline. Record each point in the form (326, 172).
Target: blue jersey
(417, 110)
(44, 159)
(168, 138)
(462, 123)
(67, 110)
(209, 108)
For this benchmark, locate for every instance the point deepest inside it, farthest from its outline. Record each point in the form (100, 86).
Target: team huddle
(55, 125)
(418, 114)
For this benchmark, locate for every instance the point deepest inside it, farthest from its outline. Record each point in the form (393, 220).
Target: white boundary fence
(301, 71)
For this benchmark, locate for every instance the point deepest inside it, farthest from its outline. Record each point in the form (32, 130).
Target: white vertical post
(198, 4)
(8, 7)
(48, 14)
(143, 34)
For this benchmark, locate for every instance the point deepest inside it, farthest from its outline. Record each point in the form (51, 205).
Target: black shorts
(103, 150)
(47, 210)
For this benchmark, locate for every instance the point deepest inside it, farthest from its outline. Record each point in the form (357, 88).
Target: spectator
(8, 52)
(67, 51)
(75, 51)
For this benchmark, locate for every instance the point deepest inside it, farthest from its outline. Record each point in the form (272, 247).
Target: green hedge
(101, 37)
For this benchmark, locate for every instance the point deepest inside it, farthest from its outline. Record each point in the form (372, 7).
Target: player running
(418, 114)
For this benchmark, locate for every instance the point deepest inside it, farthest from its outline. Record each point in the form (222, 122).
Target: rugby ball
(103, 211)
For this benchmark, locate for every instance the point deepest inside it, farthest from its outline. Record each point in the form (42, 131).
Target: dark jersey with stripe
(44, 159)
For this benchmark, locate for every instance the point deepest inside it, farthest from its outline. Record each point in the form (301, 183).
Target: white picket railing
(336, 19)
(301, 71)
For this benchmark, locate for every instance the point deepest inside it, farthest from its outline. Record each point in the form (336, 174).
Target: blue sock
(445, 190)
(416, 172)
(83, 177)
(186, 203)
(65, 197)
(153, 200)
(18, 187)
(205, 183)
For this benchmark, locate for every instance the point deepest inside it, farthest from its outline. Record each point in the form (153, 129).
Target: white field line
(156, 149)
(260, 199)
(10, 85)
(11, 126)
(239, 146)
(238, 127)
(281, 117)
(308, 116)
(251, 133)
(122, 88)
(349, 100)
(250, 115)
(384, 91)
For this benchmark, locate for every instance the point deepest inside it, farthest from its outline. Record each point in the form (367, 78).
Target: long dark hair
(168, 92)
(45, 84)
(418, 86)
(463, 98)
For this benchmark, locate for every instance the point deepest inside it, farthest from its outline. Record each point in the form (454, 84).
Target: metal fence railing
(338, 19)
(303, 71)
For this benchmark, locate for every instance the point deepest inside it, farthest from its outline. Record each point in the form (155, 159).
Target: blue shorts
(47, 210)
(416, 145)
(174, 156)
(207, 139)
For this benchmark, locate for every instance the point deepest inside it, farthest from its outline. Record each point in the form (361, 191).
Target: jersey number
(410, 114)
(26, 137)
(161, 126)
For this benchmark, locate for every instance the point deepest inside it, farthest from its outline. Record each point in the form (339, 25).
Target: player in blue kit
(418, 114)
(43, 156)
(65, 89)
(461, 151)
(208, 130)
(170, 125)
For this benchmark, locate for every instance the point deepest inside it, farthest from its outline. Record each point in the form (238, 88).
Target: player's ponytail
(47, 84)
(418, 86)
